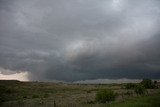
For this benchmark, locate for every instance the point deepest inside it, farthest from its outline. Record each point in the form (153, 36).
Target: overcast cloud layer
(72, 40)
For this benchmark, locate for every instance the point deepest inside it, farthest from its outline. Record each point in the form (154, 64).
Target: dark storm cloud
(80, 39)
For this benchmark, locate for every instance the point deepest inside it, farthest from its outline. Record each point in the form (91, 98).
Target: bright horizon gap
(21, 76)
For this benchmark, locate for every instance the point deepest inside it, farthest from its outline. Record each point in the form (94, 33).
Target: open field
(47, 94)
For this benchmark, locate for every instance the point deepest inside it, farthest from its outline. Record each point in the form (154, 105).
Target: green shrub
(46, 95)
(25, 97)
(148, 84)
(130, 86)
(105, 95)
(140, 90)
(35, 96)
(155, 82)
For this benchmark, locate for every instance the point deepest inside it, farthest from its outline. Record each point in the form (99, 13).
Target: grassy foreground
(143, 101)
(150, 101)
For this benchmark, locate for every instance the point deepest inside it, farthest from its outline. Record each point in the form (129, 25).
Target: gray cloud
(81, 40)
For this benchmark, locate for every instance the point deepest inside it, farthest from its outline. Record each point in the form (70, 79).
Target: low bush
(140, 90)
(148, 84)
(46, 95)
(130, 86)
(35, 96)
(105, 95)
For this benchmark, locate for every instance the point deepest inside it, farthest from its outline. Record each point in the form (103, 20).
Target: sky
(77, 40)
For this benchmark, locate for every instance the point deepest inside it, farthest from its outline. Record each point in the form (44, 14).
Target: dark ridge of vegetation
(9, 82)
